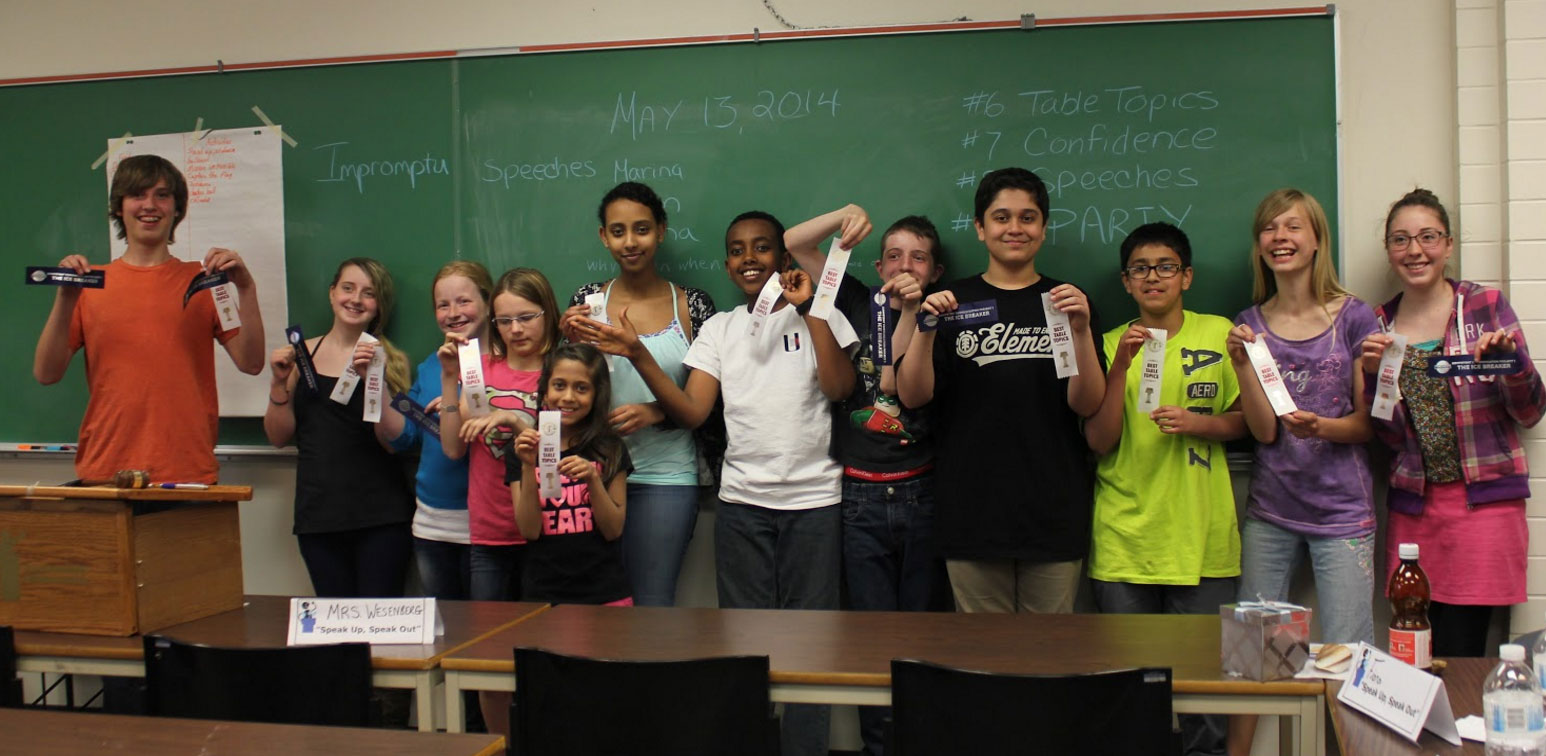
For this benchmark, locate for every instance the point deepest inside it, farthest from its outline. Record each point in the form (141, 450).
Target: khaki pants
(1010, 585)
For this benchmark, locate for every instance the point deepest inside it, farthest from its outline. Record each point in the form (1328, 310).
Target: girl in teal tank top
(663, 489)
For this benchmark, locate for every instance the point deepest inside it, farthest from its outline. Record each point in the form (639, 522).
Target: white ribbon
(549, 486)
(1153, 371)
(473, 395)
(1062, 339)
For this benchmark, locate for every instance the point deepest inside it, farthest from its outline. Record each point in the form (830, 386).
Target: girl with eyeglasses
(525, 330)
(1458, 478)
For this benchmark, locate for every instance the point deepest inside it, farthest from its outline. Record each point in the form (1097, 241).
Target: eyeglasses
(1429, 240)
(1163, 270)
(520, 320)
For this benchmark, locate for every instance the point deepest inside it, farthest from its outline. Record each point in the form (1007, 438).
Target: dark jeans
(366, 563)
(445, 569)
(1200, 733)
(496, 572)
(890, 563)
(781, 559)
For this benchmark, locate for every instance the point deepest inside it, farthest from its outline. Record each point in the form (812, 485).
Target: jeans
(496, 572)
(889, 563)
(1141, 598)
(889, 560)
(445, 569)
(1344, 576)
(364, 563)
(1200, 733)
(781, 559)
(659, 525)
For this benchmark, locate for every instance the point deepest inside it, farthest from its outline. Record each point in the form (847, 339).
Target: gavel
(123, 479)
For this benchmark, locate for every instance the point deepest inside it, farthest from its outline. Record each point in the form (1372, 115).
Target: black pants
(1460, 630)
(366, 563)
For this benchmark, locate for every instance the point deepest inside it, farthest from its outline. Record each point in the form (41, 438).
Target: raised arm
(246, 347)
(53, 353)
(1259, 418)
(279, 417)
(1085, 390)
(803, 241)
(523, 492)
(915, 371)
(450, 406)
(1103, 430)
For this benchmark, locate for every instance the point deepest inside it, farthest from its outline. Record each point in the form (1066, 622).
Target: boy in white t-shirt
(777, 533)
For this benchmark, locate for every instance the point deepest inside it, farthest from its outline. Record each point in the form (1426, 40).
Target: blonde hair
(1323, 274)
(398, 376)
(529, 284)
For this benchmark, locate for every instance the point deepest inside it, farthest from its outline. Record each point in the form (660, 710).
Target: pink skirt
(1472, 556)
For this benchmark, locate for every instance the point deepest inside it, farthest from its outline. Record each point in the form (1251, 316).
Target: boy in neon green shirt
(1164, 538)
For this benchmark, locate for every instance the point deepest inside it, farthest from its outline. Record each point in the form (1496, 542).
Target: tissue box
(1263, 640)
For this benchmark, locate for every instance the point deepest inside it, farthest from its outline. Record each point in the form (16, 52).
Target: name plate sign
(315, 621)
(1398, 695)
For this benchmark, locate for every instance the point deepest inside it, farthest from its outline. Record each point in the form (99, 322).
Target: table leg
(1302, 733)
(456, 719)
(424, 697)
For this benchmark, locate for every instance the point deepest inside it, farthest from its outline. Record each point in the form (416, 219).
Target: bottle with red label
(1411, 637)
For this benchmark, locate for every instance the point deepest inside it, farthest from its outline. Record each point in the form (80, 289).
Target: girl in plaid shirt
(1458, 478)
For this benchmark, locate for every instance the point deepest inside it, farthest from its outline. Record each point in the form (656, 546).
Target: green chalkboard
(503, 159)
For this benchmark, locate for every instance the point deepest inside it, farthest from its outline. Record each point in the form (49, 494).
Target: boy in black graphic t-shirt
(1013, 474)
(890, 562)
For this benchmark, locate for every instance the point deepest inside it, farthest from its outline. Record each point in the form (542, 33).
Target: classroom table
(263, 622)
(845, 657)
(1357, 734)
(44, 733)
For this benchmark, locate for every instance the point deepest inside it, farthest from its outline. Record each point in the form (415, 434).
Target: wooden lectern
(118, 561)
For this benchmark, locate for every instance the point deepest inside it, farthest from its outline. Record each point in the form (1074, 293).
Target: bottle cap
(1511, 652)
(1407, 550)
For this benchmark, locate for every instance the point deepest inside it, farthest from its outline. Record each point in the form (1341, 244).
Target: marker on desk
(179, 486)
(45, 447)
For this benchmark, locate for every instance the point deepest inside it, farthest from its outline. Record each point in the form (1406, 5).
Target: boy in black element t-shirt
(1013, 480)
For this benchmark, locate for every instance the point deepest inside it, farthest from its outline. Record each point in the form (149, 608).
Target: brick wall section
(1500, 71)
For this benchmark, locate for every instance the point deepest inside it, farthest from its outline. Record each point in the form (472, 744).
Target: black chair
(324, 685)
(942, 710)
(10, 686)
(576, 706)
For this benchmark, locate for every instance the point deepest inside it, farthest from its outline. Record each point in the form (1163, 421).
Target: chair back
(10, 686)
(578, 706)
(325, 685)
(943, 710)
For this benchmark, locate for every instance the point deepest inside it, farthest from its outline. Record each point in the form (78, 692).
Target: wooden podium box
(117, 561)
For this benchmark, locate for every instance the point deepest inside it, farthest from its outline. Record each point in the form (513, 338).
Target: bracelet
(278, 404)
(449, 408)
(804, 308)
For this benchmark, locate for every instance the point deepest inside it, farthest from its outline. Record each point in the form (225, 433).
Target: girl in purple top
(1458, 478)
(1311, 488)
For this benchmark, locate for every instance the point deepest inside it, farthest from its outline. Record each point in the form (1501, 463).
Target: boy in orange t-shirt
(150, 363)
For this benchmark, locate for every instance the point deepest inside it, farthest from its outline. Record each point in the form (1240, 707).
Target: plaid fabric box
(1263, 640)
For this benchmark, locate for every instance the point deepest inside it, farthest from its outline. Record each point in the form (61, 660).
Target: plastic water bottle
(1511, 704)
